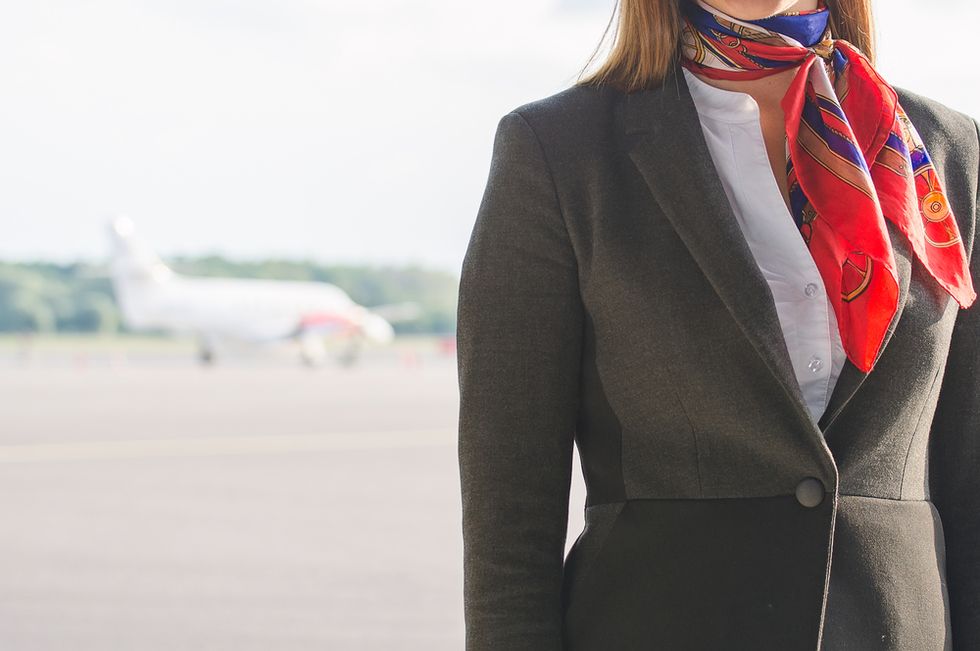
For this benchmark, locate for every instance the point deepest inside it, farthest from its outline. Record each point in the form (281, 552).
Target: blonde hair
(645, 44)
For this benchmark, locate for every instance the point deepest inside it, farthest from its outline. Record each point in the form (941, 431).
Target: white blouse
(731, 126)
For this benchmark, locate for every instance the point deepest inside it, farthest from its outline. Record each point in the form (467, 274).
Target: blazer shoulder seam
(547, 165)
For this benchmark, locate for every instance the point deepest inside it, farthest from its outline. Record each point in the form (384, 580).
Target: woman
(735, 267)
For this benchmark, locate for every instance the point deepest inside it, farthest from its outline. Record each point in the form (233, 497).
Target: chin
(757, 9)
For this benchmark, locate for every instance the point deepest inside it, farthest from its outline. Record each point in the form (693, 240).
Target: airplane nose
(377, 329)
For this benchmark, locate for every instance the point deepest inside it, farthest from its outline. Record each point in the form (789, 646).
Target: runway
(151, 503)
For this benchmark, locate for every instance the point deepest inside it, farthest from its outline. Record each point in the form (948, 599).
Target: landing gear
(352, 352)
(205, 352)
(312, 351)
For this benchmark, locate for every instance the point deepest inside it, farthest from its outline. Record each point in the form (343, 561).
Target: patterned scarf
(853, 159)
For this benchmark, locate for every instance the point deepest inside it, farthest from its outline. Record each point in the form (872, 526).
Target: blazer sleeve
(954, 472)
(519, 329)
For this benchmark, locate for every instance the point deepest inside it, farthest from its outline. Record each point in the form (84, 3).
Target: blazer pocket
(585, 551)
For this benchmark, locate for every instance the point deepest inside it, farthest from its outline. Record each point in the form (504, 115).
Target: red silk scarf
(853, 160)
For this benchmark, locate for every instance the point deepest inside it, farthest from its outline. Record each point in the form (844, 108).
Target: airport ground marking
(103, 450)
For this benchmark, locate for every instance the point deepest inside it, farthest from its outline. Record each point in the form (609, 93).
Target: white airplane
(152, 296)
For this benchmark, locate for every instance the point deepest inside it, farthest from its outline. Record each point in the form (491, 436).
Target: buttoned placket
(809, 324)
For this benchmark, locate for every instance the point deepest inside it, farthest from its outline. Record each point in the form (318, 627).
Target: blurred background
(230, 240)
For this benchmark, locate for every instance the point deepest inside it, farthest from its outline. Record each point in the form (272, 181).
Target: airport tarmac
(151, 503)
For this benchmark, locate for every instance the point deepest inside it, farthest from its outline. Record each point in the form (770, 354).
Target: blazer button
(809, 492)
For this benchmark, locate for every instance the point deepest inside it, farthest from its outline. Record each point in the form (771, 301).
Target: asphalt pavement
(150, 503)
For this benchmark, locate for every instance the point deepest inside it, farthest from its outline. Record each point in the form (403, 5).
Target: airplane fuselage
(238, 308)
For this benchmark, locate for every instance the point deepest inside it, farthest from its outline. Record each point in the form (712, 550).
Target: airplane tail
(136, 270)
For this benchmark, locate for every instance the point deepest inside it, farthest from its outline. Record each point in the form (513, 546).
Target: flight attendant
(734, 266)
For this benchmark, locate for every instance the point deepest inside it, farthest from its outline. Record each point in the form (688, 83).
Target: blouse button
(810, 289)
(815, 364)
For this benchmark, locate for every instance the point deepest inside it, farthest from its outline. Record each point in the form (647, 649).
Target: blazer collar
(666, 144)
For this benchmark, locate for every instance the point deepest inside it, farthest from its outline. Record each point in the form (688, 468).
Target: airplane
(151, 296)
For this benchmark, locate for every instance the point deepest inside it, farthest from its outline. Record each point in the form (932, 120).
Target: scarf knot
(824, 49)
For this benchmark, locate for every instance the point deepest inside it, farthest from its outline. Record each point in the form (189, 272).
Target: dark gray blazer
(608, 298)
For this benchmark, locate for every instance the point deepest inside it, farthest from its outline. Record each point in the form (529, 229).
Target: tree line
(47, 297)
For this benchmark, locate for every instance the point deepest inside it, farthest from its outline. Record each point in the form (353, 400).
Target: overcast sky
(336, 131)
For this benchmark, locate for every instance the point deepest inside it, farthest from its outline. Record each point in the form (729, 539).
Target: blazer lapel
(851, 377)
(666, 144)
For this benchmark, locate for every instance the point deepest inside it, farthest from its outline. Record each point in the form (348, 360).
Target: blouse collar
(720, 103)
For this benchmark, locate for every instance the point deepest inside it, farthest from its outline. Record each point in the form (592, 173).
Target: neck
(756, 9)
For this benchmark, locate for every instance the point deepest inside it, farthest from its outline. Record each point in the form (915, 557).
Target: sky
(340, 132)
